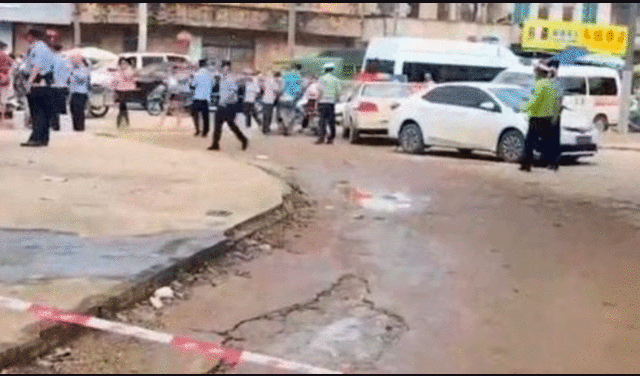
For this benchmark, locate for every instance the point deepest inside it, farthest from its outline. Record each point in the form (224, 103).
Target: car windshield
(515, 78)
(391, 90)
(513, 98)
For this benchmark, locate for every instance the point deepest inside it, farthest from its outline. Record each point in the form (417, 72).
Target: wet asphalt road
(444, 264)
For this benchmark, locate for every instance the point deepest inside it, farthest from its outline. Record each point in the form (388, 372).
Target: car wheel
(98, 112)
(154, 108)
(511, 146)
(410, 138)
(354, 135)
(600, 122)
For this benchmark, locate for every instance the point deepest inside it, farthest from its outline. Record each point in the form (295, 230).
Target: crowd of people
(49, 80)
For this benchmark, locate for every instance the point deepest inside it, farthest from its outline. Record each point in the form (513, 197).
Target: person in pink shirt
(124, 85)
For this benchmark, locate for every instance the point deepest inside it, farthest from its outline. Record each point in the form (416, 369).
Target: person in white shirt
(271, 89)
(79, 87)
(202, 85)
(61, 73)
(252, 89)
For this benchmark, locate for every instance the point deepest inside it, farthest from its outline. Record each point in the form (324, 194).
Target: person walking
(6, 68)
(227, 108)
(125, 86)
(60, 87)
(553, 137)
(309, 102)
(79, 86)
(291, 92)
(329, 94)
(202, 85)
(39, 67)
(541, 111)
(270, 94)
(179, 93)
(252, 89)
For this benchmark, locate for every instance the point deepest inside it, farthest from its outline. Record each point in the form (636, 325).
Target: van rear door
(603, 97)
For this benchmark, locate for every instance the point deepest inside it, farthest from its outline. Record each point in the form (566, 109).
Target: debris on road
(164, 293)
(55, 179)
(156, 302)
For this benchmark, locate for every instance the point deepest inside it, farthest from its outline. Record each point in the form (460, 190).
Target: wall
(440, 30)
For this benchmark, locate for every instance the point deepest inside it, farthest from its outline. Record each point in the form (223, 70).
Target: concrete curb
(125, 295)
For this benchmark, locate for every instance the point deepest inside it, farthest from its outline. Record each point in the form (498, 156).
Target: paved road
(447, 264)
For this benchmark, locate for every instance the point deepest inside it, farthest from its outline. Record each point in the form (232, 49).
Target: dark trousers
(267, 117)
(42, 100)
(78, 105)
(32, 113)
(123, 115)
(327, 119)
(538, 138)
(60, 106)
(200, 108)
(553, 143)
(249, 109)
(227, 115)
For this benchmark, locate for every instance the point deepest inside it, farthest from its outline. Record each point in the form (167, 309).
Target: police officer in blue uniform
(61, 73)
(202, 85)
(79, 84)
(39, 67)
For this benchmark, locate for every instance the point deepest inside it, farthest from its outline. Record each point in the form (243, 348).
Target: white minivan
(594, 92)
(141, 60)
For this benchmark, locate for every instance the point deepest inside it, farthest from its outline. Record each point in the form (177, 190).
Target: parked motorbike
(100, 98)
(157, 100)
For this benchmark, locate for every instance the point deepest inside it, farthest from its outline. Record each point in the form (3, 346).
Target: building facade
(17, 18)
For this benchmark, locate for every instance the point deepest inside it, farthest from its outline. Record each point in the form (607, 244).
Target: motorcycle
(100, 98)
(157, 100)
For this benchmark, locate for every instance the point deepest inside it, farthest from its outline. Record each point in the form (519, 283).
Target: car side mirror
(489, 106)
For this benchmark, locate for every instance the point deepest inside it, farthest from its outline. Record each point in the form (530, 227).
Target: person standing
(79, 85)
(329, 94)
(61, 73)
(39, 66)
(540, 109)
(252, 89)
(291, 92)
(6, 68)
(202, 85)
(553, 138)
(125, 85)
(271, 90)
(309, 101)
(227, 108)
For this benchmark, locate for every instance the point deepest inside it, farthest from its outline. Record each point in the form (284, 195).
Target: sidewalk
(89, 214)
(616, 141)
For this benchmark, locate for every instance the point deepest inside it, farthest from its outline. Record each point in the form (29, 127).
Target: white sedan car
(481, 116)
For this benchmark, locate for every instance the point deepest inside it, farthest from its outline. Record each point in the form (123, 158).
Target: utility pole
(396, 14)
(76, 26)
(627, 72)
(291, 34)
(142, 27)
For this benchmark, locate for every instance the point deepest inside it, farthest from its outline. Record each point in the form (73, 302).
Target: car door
(574, 91)
(441, 116)
(483, 123)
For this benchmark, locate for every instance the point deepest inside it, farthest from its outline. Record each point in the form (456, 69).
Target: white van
(594, 92)
(445, 60)
(144, 59)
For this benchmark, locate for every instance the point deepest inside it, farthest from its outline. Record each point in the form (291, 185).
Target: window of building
(414, 11)
(567, 12)
(520, 13)
(443, 11)
(602, 86)
(543, 11)
(589, 12)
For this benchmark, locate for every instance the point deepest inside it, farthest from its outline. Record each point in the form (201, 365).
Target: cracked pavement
(475, 267)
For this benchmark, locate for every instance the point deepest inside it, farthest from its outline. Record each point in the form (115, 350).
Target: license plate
(583, 140)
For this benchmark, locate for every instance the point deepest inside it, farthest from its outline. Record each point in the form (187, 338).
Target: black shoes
(197, 133)
(213, 147)
(330, 141)
(319, 142)
(34, 144)
(526, 168)
(245, 144)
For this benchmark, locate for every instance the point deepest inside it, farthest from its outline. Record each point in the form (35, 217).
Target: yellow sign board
(558, 35)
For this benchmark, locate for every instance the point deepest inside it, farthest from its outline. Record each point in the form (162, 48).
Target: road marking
(229, 356)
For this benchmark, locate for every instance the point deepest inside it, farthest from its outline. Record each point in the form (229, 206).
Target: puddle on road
(379, 200)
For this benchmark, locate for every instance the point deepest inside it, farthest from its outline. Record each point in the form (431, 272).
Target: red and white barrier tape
(209, 349)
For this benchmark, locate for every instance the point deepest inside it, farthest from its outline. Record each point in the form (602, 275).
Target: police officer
(541, 111)
(226, 111)
(329, 93)
(201, 84)
(39, 66)
(60, 87)
(79, 84)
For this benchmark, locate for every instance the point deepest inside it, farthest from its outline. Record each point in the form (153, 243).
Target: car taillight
(367, 107)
